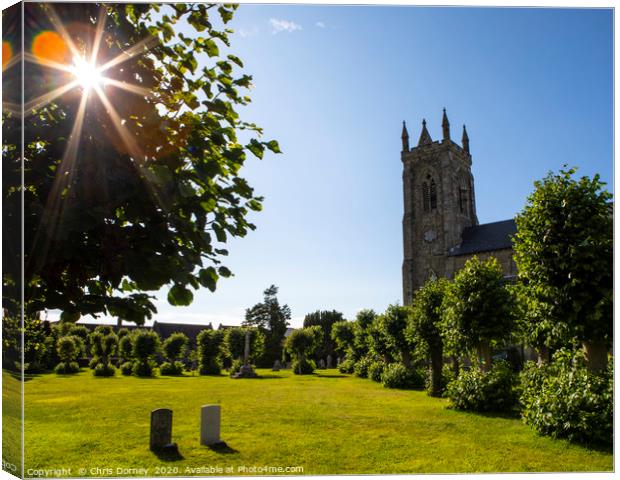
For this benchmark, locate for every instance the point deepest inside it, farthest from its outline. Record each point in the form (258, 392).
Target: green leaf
(180, 296)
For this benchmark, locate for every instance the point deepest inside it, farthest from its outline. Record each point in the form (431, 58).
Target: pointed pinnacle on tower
(405, 137)
(445, 125)
(425, 137)
(465, 140)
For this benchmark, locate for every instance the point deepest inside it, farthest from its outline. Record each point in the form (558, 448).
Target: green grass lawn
(325, 423)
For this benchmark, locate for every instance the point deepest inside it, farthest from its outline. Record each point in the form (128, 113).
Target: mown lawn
(325, 423)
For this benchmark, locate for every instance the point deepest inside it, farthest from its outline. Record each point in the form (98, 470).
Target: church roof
(485, 238)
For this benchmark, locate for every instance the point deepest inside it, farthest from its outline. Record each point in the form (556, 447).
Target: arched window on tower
(463, 201)
(429, 194)
(433, 195)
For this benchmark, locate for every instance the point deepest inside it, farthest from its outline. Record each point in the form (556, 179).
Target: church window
(463, 200)
(433, 195)
(426, 197)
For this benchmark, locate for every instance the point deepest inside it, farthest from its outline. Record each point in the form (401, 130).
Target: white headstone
(210, 416)
(329, 361)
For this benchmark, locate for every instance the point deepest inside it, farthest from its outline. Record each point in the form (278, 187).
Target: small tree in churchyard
(102, 347)
(343, 335)
(425, 327)
(173, 348)
(125, 352)
(235, 344)
(324, 319)
(478, 308)
(68, 352)
(271, 319)
(302, 343)
(564, 251)
(145, 347)
(393, 326)
(209, 351)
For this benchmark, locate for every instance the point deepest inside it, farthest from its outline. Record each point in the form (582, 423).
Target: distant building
(440, 225)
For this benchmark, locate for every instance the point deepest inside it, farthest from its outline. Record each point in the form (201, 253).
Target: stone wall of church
(504, 257)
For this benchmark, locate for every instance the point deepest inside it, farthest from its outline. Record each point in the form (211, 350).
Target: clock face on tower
(430, 235)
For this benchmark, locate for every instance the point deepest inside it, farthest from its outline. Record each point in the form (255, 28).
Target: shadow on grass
(169, 455)
(222, 448)
(322, 375)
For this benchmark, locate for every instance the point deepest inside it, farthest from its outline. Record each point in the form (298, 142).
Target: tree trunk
(455, 366)
(119, 324)
(596, 356)
(436, 371)
(406, 358)
(484, 352)
(543, 354)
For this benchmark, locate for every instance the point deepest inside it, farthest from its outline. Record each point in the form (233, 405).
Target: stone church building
(440, 226)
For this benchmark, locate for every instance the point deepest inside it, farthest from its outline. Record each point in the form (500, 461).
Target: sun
(87, 75)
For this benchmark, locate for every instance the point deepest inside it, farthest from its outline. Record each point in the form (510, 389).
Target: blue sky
(333, 84)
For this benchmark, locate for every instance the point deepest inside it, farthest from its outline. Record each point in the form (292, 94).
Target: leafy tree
(126, 197)
(235, 343)
(425, 327)
(68, 351)
(363, 329)
(125, 347)
(145, 346)
(103, 346)
(324, 319)
(302, 343)
(343, 335)
(564, 251)
(479, 309)
(210, 344)
(393, 330)
(271, 319)
(378, 343)
(174, 348)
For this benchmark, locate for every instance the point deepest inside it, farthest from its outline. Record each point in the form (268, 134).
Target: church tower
(439, 201)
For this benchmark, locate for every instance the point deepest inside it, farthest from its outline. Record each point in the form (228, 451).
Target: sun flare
(86, 74)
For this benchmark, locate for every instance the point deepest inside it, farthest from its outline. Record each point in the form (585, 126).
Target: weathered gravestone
(210, 418)
(321, 363)
(161, 431)
(276, 366)
(246, 370)
(329, 361)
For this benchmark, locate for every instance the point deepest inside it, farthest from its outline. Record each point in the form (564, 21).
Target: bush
(209, 351)
(375, 370)
(127, 368)
(396, 375)
(171, 368)
(143, 368)
(303, 366)
(93, 362)
(104, 370)
(478, 391)
(347, 365)
(361, 367)
(564, 400)
(236, 366)
(64, 368)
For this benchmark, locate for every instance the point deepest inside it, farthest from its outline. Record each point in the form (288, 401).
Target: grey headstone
(161, 428)
(329, 361)
(210, 416)
(321, 363)
(276, 366)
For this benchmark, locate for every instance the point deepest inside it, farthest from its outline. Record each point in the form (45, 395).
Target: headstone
(276, 366)
(338, 361)
(161, 429)
(329, 361)
(210, 416)
(321, 363)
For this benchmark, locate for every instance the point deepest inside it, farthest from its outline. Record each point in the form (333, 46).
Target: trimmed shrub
(127, 368)
(104, 370)
(478, 391)
(564, 400)
(396, 375)
(145, 346)
(125, 347)
(447, 376)
(303, 366)
(236, 366)
(361, 367)
(64, 368)
(375, 370)
(347, 365)
(171, 368)
(209, 351)
(93, 362)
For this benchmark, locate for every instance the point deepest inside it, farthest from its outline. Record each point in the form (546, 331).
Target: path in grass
(325, 423)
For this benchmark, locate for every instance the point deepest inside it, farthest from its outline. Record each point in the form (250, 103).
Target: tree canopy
(132, 183)
(324, 319)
